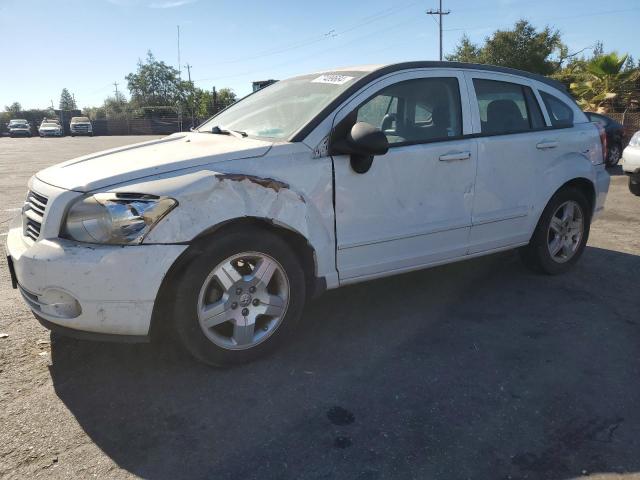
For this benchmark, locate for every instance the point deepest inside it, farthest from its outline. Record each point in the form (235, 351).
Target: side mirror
(363, 142)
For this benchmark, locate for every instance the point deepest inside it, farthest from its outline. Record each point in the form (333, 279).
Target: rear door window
(506, 107)
(560, 114)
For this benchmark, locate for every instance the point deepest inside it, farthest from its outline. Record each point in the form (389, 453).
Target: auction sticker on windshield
(333, 79)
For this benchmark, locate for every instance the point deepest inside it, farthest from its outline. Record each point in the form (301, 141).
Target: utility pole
(179, 78)
(115, 84)
(179, 64)
(440, 13)
(188, 67)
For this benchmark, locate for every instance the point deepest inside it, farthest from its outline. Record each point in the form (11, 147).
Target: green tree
(523, 48)
(66, 100)
(630, 64)
(605, 82)
(154, 84)
(466, 51)
(225, 97)
(13, 109)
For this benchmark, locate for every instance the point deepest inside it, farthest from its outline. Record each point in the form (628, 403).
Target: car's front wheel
(240, 298)
(561, 234)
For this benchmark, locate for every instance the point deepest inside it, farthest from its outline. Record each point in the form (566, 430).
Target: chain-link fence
(162, 125)
(629, 120)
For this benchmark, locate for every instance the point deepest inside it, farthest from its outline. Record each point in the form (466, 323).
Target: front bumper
(631, 161)
(97, 289)
(19, 133)
(52, 133)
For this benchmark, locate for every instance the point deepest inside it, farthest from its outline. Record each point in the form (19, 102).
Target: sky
(87, 45)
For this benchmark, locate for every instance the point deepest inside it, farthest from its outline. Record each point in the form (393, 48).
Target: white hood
(131, 162)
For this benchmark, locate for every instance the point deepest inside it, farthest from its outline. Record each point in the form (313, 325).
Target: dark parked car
(615, 137)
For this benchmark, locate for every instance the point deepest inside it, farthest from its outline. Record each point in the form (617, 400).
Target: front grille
(33, 214)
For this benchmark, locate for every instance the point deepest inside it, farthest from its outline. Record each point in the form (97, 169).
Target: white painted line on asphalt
(4, 234)
(12, 209)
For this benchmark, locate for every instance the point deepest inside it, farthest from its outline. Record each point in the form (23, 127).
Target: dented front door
(413, 207)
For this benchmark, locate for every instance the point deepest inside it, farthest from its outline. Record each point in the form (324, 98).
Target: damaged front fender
(208, 199)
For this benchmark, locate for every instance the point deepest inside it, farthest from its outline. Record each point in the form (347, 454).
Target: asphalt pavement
(476, 370)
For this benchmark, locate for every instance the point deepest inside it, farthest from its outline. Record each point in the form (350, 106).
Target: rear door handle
(455, 156)
(546, 145)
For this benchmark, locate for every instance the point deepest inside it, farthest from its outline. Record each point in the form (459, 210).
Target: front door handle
(545, 145)
(455, 156)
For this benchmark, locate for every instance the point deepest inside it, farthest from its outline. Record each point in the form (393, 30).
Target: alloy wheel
(565, 231)
(243, 300)
(613, 156)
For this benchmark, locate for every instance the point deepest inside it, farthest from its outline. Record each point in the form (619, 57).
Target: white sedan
(631, 163)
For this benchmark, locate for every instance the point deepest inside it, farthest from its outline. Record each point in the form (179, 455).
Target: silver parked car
(81, 126)
(19, 128)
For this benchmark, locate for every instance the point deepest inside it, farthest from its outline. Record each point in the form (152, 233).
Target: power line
(440, 14)
(331, 33)
(554, 19)
(313, 54)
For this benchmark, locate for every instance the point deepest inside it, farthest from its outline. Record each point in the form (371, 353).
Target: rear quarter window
(560, 114)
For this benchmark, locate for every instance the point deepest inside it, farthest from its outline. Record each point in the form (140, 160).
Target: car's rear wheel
(561, 234)
(240, 298)
(614, 154)
(634, 185)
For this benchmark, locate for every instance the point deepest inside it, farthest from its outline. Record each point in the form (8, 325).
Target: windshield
(17, 122)
(18, 125)
(79, 120)
(283, 108)
(50, 125)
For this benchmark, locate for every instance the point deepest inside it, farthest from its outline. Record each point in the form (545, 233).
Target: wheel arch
(305, 252)
(582, 184)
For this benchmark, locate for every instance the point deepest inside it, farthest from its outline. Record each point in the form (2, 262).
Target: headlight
(635, 140)
(115, 218)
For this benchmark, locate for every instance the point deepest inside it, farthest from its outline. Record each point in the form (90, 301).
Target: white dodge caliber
(315, 182)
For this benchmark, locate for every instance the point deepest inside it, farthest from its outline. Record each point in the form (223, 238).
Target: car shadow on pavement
(474, 370)
(615, 171)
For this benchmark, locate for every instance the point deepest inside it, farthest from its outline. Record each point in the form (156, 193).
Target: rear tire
(614, 153)
(224, 313)
(560, 236)
(634, 185)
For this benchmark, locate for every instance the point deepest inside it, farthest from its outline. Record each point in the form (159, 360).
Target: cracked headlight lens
(115, 218)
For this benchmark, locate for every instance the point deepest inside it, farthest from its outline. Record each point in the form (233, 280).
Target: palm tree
(603, 81)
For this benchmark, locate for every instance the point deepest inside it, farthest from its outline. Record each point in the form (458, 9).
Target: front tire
(561, 234)
(240, 298)
(634, 185)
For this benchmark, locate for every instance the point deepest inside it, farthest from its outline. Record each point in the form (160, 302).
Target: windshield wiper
(223, 131)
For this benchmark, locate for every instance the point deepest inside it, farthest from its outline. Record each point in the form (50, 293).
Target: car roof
(378, 70)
